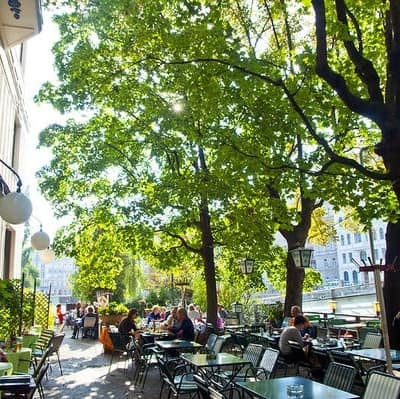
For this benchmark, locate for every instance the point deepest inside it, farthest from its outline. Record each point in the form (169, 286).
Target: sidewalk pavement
(86, 374)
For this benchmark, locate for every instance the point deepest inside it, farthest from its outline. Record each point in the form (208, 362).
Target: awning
(19, 20)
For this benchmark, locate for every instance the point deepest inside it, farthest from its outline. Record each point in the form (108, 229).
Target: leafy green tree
(208, 128)
(357, 54)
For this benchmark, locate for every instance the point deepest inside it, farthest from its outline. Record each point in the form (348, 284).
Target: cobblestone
(86, 374)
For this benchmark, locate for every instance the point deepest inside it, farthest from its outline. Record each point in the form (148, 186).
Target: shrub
(113, 308)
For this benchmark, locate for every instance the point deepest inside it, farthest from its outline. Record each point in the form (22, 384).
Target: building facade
(339, 261)
(55, 278)
(18, 22)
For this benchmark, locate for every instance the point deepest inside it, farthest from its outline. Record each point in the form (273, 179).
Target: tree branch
(181, 239)
(363, 67)
(373, 110)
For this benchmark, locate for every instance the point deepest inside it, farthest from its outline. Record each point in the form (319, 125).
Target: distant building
(56, 276)
(18, 22)
(338, 261)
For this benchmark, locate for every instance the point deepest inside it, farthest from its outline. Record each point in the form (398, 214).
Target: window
(357, 237)
(363, 256)
(346, 277)
(374, 235)
(383, 252)
(325, 262)
(340, 219)
(350, 256)
(344, 258)
(348, 239)
(342, 239)
(333, 261)
(376, 255)
(355, 277)
(381, 233)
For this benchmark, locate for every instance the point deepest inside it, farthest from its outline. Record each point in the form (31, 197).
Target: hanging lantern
(15, 207)
(47, 255)
(301, 256)
(246, 266)
(40, 240)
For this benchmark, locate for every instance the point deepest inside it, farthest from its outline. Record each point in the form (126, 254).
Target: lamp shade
(15, 207)
(301, 256)
(47, 255)
(40, 240)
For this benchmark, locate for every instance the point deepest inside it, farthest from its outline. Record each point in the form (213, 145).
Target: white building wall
(13, 130)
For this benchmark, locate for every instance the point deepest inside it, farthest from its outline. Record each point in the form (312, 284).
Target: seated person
(193, 314)
(90, 313)
(127, 327)
(307, 331)
(184, 328)
(292, 333)
(172, 319)
(154, 315)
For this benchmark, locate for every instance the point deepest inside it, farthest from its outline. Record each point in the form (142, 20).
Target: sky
(39, 68)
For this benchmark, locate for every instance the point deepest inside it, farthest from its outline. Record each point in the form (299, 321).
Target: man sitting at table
(127, 327)
(184, 328)
(292, 333)
(307, 331)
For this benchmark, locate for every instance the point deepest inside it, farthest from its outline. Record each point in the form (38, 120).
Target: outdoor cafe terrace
(345, 360)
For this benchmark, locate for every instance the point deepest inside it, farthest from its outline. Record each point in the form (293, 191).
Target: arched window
(381, 233)
(346, 277)
(355, 277)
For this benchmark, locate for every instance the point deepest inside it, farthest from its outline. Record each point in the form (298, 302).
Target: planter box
(111, 320)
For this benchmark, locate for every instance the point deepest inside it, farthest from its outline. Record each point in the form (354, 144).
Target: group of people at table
(177, 324)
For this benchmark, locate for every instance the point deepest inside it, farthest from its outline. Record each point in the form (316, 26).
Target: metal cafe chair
(382, 386)
(55, 344)
(119, 347)
(372, 341)
(178, 382)
(267, 365)
(340, 376)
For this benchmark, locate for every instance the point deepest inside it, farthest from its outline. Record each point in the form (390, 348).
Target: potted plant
(112, 313)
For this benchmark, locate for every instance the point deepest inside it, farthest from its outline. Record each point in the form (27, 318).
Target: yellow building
(19, 20)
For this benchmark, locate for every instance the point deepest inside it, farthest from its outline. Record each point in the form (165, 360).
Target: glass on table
(18, 344)
(295, 391)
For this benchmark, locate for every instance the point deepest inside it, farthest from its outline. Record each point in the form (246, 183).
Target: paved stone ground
(86, 374)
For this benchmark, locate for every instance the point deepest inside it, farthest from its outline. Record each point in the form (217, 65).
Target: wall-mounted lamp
(377, 308)
(246, 266)
(15, 207)
(301, 256)
(332, 306)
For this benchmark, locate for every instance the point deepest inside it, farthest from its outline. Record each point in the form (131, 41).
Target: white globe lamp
(15, 207)
(47, 255)
(40, 240)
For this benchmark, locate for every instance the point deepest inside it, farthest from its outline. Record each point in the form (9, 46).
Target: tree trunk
(297, 238)
(391, 283)
(294, 285)
(207, 253)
